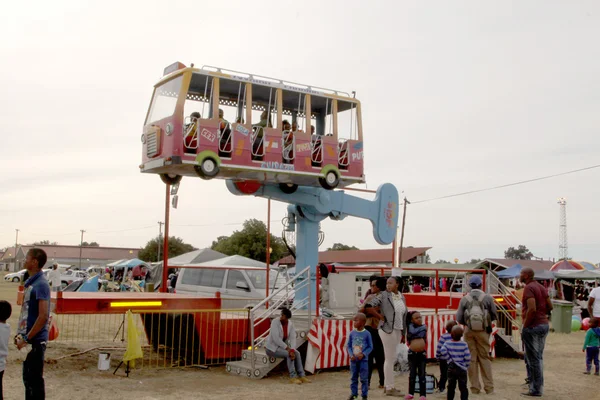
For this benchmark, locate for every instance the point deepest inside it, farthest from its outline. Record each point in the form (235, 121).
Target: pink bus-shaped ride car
(214, 123)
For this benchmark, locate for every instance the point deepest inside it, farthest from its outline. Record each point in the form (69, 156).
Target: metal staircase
(255, 363)
(509, 314)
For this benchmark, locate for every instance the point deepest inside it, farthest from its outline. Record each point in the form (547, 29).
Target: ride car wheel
(288, 188)
(207, 169)
(170, 179)
(331, 180)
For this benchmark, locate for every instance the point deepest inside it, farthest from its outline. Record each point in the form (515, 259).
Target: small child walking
(417, 357)
(5, 312)
(457, 355)
(360, 345)
(591, 347)
(443, 363)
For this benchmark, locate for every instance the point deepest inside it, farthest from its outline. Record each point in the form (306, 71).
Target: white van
(239, 288)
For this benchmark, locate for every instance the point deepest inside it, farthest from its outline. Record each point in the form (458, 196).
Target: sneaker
(364, 398)
(352, 397)
(489, 391)
(393, 392)
(422, 398)
(587, 373)
(295, 381)
(304, 379)
(530, 394)
(409, 397)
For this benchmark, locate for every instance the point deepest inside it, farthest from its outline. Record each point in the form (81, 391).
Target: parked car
(15, 276)
(239, 288)
(72, 275)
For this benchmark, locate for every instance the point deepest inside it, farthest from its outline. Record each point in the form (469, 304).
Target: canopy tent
(112, 264)
(567, 265)
(511, 272)
(544, 275)
(196, 256)
(134, 262)
(589, 266)
(583, 275)
(155, 270)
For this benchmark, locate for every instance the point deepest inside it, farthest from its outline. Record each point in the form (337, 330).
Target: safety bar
(258, 149)
(288, 144)
(316, 144)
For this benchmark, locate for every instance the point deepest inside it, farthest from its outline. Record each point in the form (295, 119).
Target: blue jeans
(33, 372)
(359, 368)
(534, 340)
(591, 354)
(294, 366)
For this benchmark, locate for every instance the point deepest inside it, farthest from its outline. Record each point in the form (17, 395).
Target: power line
(507, 185)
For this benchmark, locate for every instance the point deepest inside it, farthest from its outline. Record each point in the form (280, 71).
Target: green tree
(251, 242)
(91, 244)
(176, 247)
(341, 246)
(442, 262)
(44, 243)
(520, 253)
(474, 261)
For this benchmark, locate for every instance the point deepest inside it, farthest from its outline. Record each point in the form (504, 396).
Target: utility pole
(81, 247)
(158, 242)
(16, 242)
(402, 232)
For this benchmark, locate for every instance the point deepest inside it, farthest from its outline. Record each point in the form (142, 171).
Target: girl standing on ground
(393, 327)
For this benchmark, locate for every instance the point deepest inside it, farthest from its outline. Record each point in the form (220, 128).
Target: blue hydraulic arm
(308, 206)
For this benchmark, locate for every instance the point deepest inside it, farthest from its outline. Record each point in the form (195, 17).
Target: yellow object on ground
(134, 348)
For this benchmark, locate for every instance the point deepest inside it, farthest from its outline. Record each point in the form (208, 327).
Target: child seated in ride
(417, 357)
(360, 345)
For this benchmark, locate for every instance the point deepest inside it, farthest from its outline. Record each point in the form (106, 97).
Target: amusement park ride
(276, 161)
(291, 143)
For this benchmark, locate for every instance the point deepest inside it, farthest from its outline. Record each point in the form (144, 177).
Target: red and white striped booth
(328, 337)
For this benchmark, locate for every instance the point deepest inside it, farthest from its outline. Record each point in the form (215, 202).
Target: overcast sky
(456, 96)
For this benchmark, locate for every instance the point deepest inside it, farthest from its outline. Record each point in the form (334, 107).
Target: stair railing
(282, 297)
(510, 304)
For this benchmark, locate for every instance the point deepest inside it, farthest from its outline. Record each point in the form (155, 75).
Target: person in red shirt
(536, 308)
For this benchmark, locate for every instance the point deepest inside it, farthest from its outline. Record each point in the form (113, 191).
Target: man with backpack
(476, 311)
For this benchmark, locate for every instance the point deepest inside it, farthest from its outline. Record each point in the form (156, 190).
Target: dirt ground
(78, 377)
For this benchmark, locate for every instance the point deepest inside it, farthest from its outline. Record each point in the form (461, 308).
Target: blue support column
(307, 253)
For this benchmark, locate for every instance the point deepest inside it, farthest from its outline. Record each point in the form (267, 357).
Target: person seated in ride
(239, 120)
(191, 129)
(259, 131)
(225, 130)
(312, 129)
(295, 127)
(223, 122)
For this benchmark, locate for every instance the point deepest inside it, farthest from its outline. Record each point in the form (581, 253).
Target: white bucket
(104, 361)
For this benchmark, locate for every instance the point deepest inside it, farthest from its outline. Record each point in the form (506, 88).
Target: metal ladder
(255, 362)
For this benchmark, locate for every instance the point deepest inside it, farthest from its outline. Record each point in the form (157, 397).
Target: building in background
(378, 257)
(69, 255)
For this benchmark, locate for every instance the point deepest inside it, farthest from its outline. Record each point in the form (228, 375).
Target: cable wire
(506, 185)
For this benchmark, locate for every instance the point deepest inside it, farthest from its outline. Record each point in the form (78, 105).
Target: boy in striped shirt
(443, 363)
(457, 355)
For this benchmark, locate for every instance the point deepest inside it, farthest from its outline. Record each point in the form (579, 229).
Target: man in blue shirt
(33, 324)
